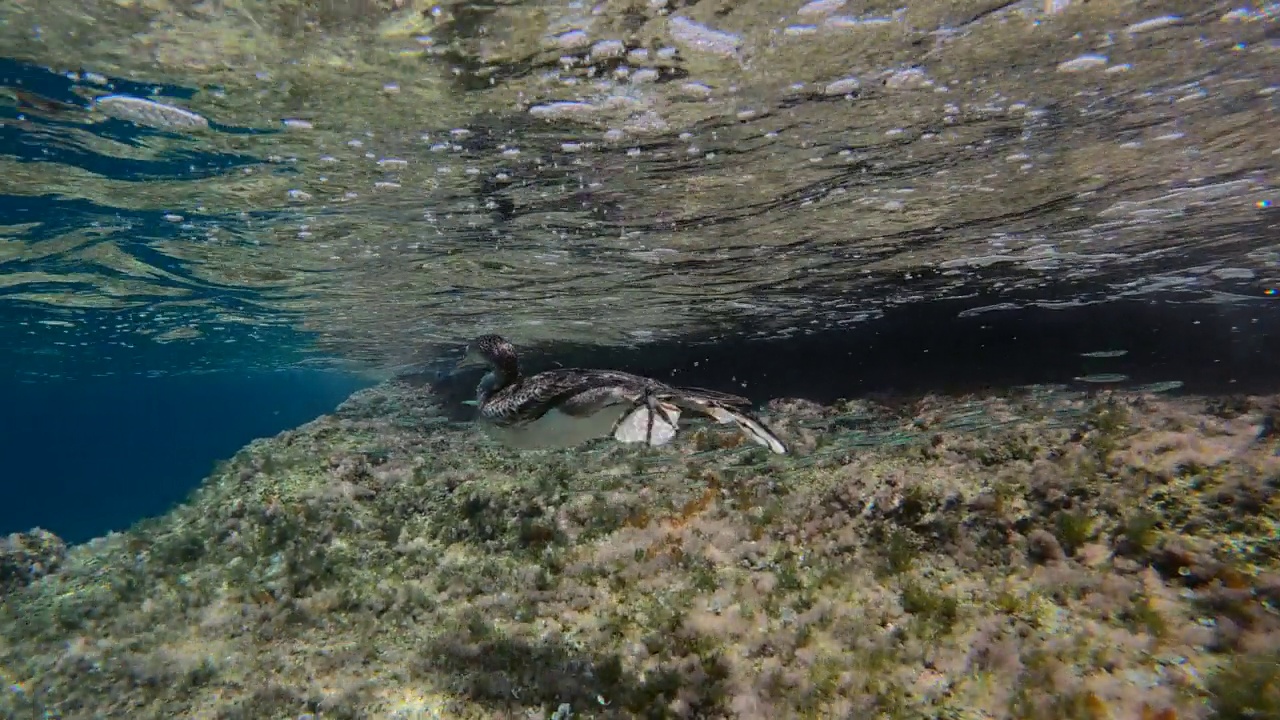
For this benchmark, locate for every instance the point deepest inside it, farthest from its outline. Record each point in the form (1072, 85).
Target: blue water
(106, 419)
(86, 456)
(100, 424)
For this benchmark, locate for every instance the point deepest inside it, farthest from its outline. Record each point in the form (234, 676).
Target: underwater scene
(551, 359)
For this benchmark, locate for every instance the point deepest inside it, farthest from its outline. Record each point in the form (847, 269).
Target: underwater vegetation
(1113, 556)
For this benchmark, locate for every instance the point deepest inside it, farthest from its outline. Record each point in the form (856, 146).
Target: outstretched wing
(750, 426)
(714, 396)
(656, 414)
(708, 404)
(572, 391)
(654, 408)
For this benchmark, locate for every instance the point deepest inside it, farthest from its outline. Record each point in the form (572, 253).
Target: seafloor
(1114, 556)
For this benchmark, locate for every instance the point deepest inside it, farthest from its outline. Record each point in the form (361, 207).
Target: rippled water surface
(238, 179)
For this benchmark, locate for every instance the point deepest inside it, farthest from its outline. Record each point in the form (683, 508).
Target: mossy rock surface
(1113, 557)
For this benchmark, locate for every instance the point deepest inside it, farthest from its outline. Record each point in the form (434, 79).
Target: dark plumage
(568, 406)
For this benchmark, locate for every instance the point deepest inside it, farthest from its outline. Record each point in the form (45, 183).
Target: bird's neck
(494, 381)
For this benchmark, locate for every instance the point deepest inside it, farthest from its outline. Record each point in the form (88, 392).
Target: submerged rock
(1020, 556)
(29, 556)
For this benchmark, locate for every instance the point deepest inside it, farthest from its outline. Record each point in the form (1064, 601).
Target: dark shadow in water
(487, 670)
(86, 456)
(930, 348)
(90, 455)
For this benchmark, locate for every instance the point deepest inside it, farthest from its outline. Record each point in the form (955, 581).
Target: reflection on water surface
(397, 177)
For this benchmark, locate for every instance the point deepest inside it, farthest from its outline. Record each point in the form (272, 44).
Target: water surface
(396, 177)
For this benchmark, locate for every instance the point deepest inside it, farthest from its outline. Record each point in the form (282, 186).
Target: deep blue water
(85, 456)
(100, 425)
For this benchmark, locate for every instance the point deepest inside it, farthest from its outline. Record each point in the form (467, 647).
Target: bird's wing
(713, 396)
(709, 403)
(582, 393)
(579, 392)
(750, 426)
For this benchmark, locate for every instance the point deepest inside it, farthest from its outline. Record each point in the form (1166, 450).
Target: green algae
(1247, 687)
(380, 563)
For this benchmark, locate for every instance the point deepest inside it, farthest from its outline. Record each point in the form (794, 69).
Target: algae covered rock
(1089, 556)
(28, 556)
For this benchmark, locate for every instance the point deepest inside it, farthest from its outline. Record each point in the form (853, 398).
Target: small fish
(1103, 378)
(1160, 387)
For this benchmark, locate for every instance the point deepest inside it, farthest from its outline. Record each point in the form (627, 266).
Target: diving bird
(566, 407)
